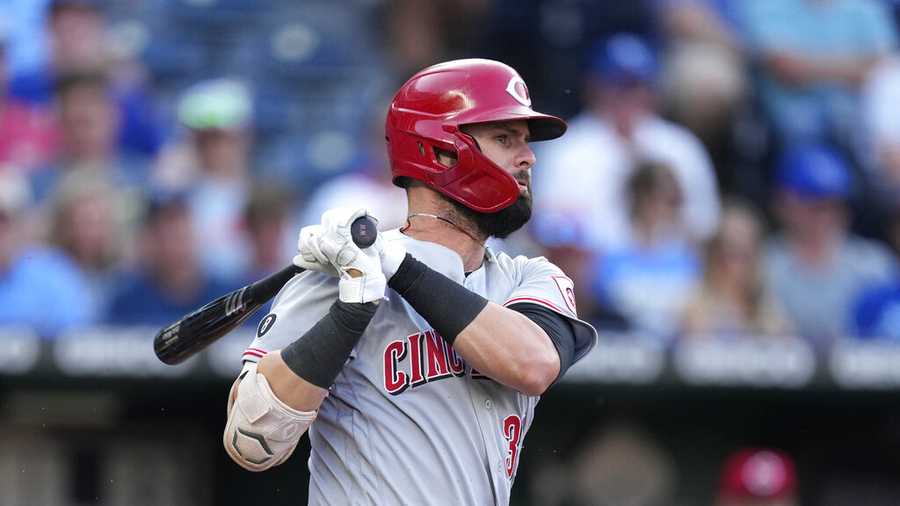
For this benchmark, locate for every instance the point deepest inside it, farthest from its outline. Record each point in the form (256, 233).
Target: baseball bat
(195, 331)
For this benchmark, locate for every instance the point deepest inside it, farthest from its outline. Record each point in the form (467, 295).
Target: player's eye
(502, 139)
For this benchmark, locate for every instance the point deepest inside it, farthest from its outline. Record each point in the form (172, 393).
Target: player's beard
(503, 222)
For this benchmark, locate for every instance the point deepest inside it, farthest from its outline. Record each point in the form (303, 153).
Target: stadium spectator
(39, 288)
(813, 57)
(582, 178)
(87, 223)
(24, 27)
(266, 221)
(78, 44)
(271, 234)
(881, 122)
(876, 313)
(712, 22)
(370, 186)
(27, 133)
(169, 281)
(617, 463)
(421, 33)
(622, 463)
(704, 80)
(648, 277)
(218, 116)
(89, 124)
(733, 301)
(758, 477)
(816, 267)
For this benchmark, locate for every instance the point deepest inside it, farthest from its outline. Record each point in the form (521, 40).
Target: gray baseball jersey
(407, 421)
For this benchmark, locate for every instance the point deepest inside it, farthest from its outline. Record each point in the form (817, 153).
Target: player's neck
(429, 227)
(433, 220)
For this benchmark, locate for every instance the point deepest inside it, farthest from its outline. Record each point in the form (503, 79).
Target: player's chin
(506, 221)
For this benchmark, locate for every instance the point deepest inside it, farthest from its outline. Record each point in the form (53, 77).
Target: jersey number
(512, 431)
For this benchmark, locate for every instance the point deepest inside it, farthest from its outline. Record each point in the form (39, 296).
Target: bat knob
(364, 231)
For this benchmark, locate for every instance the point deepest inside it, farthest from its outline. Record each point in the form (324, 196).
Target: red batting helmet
(427, 113)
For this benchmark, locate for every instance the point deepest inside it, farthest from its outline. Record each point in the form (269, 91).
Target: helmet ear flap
(479, 183)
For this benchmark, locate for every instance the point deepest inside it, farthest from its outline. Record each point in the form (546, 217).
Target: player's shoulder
(436, 256)
(521, 265)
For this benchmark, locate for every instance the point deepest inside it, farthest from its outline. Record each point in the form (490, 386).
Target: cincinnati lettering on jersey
(420, 358)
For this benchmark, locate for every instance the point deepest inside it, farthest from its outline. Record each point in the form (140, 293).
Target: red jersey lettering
(395, 380)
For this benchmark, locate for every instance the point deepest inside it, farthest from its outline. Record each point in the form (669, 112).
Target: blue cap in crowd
(624, 58)
(814, 172)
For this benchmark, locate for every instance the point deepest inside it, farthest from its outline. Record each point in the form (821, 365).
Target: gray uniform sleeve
(302, 302)
(545, 284)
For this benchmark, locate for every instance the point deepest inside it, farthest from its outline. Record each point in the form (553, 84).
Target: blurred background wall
(727, 199)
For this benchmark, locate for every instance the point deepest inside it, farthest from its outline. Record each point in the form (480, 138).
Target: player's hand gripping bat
(193, 332)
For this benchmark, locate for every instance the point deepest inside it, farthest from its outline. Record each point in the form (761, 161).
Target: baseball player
(416, 364)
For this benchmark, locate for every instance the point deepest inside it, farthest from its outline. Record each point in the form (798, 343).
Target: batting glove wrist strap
(363, 289)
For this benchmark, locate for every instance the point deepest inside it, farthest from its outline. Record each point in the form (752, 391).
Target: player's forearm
(501, 343)
(302, 372)
(291, 389)
(509, 348)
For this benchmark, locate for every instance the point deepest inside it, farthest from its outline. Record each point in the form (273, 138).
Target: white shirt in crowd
(354, 190)
(881, 107)
(580, 180)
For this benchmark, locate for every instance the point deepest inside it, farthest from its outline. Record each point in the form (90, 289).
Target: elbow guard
(262, 431)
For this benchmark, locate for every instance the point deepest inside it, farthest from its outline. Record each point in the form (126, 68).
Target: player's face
(506, 144)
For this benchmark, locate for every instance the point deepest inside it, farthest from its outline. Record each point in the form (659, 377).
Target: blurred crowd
(731, 169)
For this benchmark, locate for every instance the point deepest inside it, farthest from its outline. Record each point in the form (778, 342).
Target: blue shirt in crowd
(876, 314)
(139, 300)
(838, 28)
(141, 130)
(649, 286)
(44, 290)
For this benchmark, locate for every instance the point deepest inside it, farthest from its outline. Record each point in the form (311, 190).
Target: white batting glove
(362, 279)
(309, 256)
(392, 254)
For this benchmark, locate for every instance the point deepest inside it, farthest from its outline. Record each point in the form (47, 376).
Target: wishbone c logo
(517, 90)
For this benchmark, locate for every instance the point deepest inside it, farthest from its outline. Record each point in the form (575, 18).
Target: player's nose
(525, 158)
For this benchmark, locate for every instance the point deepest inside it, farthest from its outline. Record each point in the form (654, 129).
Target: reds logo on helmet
(517, 89)
(427, 114)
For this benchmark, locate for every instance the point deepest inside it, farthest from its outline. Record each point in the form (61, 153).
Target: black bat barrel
(177, 342)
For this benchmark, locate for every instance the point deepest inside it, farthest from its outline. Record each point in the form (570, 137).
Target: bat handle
(364, 231)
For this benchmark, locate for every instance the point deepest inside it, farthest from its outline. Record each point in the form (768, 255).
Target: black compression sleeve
(320, 354)
(445, 304)
(557, 327)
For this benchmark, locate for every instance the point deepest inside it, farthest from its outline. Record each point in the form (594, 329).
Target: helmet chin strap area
(445, 220)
